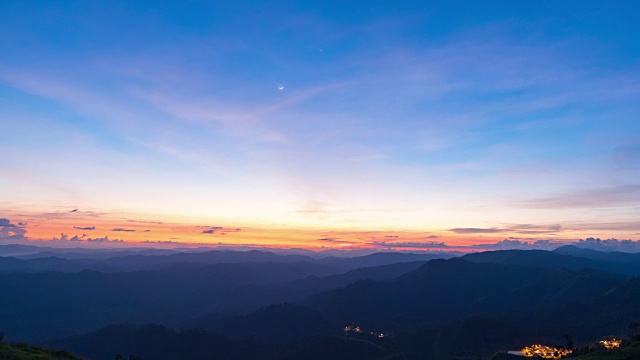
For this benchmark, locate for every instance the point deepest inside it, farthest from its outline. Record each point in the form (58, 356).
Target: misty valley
(223, 304)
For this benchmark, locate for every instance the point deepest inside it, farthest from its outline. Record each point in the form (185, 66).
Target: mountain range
(257, 304)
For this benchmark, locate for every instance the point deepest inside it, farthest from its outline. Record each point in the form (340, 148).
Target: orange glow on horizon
(139, 230)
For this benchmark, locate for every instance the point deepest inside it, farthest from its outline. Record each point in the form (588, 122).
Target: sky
(315, 124)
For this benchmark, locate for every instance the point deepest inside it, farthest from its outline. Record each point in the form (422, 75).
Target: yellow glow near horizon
(136, 229)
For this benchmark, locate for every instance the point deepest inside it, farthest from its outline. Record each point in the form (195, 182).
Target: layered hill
(462, 307)
(444, 290)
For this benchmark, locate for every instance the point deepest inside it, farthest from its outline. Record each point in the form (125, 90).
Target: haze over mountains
(72, 260)
(98, 304)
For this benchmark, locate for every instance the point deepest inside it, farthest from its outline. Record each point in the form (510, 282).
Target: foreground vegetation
(22, 351)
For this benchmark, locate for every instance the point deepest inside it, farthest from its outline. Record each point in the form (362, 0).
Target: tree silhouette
(1, 336)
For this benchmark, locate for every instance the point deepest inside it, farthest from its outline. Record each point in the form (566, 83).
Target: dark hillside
(22, 351)
(44, 305)
(443, 290)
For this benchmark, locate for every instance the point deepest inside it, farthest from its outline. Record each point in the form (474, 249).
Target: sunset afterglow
(318, 125)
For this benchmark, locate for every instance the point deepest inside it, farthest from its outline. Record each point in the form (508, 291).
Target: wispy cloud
(606, 226)
(331, 240)
(476, 230)
(411, 245)
(506, 244)
(525, 229)
(625, 195)
(123, 230)
(104, 240)
(161, 242)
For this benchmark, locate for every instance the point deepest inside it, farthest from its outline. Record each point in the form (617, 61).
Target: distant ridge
(566, 257)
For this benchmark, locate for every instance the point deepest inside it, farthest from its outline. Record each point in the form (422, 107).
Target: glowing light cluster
(356, 329)
(545, 352)
(611, 344)
(353, 328)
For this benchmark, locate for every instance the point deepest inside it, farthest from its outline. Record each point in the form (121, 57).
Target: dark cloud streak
(476, 230)
(85, 227)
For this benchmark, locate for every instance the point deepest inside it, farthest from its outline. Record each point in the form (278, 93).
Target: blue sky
(409, 116)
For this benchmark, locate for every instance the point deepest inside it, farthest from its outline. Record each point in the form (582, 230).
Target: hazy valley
(257, 304)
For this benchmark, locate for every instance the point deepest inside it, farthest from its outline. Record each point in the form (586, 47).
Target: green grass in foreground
(23, 351)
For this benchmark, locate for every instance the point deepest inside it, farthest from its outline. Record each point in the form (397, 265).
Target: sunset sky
(385, 124)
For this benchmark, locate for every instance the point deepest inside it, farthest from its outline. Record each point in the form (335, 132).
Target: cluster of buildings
(545, 352)
(356, 329)
(610, 344)
(548, 352)
(352, 328)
